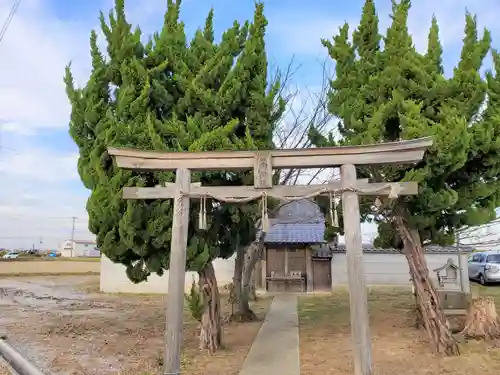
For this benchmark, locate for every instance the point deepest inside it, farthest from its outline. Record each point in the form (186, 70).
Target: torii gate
(263, 163)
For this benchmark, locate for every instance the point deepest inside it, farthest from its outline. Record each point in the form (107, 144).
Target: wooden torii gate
(263, 163)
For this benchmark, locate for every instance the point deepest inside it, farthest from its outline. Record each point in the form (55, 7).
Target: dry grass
(33, 258)
(40, 267)
(92, 285)
(398, 348)
(4, 370)
(134, 337)
(66, 259)
(120, 335)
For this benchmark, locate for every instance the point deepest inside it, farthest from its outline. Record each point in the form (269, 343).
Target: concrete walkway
(276, 348)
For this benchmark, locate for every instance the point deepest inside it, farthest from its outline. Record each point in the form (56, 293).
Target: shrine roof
(429, 249)
(296, 233)
(298, 221)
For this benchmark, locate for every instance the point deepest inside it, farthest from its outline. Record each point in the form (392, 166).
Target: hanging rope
(335, 213)
(334, 218)
(394, 191)
(330, 196)
(202, 216)
(264, 214)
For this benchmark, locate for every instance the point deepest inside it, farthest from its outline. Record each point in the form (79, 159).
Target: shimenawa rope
(395, 190)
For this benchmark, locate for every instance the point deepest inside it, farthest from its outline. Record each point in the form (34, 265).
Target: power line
(13, 151)
(49, 233)
(35, 217)
(24, 237)
(4, 29)
(59, 228)
(37, 236)
(6, 24)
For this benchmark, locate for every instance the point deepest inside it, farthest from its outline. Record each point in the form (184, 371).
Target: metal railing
(18, 363)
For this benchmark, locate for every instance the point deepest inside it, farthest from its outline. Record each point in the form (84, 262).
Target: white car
(485, 267)
(11, 255)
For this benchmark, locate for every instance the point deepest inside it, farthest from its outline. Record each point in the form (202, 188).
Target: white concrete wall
(114, 279)
(65, 248)
(385, 269)
(85, 250)
(78, 249)
(65, 252)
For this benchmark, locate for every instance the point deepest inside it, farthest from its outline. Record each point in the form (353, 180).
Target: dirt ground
(398, 348)
(64, 325)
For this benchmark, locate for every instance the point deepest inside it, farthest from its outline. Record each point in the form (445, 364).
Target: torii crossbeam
(263, 163)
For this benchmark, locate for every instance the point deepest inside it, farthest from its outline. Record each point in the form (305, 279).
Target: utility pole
(463, 268)
(460, 265)
(73, 236)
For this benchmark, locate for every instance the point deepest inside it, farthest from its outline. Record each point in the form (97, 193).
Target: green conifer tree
(397, 93)
(168, 94)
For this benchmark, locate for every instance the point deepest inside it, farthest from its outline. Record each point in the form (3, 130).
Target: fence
(17, 362)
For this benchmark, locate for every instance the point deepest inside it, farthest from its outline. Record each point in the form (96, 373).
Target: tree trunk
(252, 296)
(252, 255)
(428, 303)
(482, 321)
(211, 328)
(237, 289)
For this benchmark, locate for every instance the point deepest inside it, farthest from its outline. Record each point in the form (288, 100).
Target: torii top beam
(403, 152)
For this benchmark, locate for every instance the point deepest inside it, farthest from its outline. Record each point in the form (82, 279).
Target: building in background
(292, 260)
(79, 248)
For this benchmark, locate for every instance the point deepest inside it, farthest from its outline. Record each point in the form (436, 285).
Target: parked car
(11, 255)
(484, 267)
